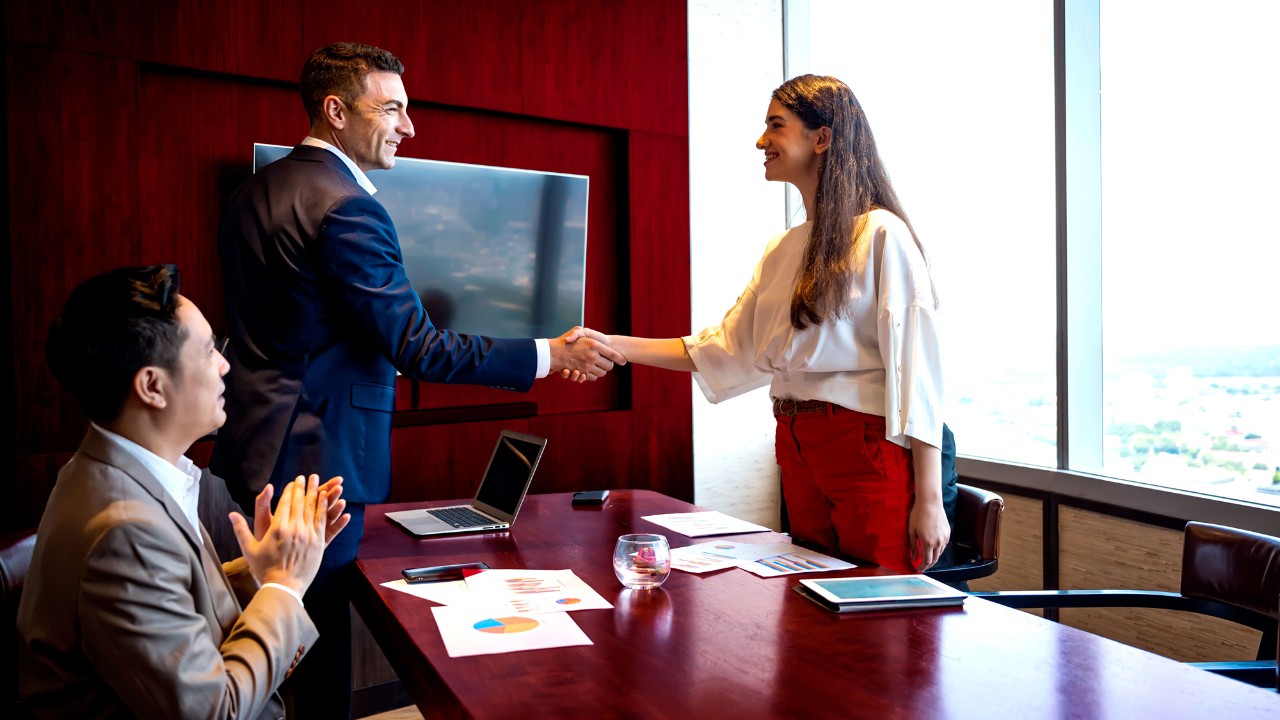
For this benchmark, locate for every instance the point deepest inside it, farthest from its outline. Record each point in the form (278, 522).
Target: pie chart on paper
(506, 625)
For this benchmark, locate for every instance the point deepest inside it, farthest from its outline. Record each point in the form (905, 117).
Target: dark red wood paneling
(73, 210)
(662, 450)
(625, 68)
(585, 452)
(619, 64)
(33, 480)
(441, 462)
(246, 37)
(659, 244)
(184, 176)
(457, 52)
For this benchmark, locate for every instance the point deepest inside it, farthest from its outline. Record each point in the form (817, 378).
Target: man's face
(377, 123)
(197, 401)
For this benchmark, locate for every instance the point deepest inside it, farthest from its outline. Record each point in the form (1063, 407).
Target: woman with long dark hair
(841, 319)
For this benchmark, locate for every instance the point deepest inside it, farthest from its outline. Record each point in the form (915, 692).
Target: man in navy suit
(321, 315)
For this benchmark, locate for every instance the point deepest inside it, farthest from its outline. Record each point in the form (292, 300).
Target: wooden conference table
(730, 644)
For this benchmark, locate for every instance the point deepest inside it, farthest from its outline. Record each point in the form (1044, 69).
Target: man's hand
(292, 545)
(336, 520)
(927, 532)
(583, 354)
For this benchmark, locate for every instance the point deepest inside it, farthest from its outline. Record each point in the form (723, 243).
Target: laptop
(497, 500)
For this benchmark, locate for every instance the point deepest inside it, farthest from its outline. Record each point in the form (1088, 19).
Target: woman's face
(791, 151)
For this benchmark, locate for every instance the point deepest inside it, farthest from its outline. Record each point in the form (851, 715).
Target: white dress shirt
(541, 345)
(882, 356)
(181, 481)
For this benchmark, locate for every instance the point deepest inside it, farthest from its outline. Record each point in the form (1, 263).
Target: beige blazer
(125, 613)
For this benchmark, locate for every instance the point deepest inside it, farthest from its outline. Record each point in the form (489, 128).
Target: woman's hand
(927, 532)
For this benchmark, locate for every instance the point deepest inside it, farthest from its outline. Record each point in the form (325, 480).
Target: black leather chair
(975, 537)
(1226, 573)
(15, 560)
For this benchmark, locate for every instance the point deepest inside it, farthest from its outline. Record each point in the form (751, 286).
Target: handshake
(582, 354)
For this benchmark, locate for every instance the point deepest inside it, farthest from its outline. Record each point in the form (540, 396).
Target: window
(1190, 245)
(960, 98)
(1171, 369)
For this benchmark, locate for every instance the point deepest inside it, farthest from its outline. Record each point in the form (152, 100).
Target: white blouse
(890, 322)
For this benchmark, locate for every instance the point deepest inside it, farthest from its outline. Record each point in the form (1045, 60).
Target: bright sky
(960, 96)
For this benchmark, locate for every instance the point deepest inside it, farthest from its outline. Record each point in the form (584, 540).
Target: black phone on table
(590, 497)
(440, 573)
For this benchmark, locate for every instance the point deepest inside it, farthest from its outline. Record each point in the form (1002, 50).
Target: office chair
(1226, 573)
(15, 560)
(975, 538)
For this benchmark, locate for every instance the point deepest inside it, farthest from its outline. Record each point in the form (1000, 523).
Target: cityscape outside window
(1191, 360)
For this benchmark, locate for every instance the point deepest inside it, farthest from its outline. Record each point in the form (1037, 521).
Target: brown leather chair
(975, 539)
(1226, 573)
(15, 560)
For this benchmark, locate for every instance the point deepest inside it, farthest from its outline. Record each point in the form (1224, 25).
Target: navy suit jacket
(321, 315)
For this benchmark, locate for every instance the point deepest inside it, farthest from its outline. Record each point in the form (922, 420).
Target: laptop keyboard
(461, 517)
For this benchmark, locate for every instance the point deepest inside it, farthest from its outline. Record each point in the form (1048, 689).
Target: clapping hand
(293, 541)
(336, 519)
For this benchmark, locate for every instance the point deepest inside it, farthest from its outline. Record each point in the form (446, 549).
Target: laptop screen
(510, 469)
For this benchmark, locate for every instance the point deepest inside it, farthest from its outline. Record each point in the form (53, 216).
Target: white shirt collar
(181, 481)
(361, 179)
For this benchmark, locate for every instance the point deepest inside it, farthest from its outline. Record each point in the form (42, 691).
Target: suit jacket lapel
(99, 447)
(102, 449)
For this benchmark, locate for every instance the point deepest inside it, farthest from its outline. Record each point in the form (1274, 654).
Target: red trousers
(847, 488)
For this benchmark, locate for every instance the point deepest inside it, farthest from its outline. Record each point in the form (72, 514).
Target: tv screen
(490, 250)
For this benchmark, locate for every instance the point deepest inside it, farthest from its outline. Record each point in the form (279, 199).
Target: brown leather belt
(789, 407)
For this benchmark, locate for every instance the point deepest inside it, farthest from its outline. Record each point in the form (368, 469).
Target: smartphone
(440, 573)
(590, 497)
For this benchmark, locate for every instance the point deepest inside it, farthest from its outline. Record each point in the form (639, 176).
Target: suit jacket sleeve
(145, 637)
(358, 242)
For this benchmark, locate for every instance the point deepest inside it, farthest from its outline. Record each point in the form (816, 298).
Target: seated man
(126, 610)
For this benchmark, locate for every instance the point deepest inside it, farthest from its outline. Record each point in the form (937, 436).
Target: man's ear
(151, 385)
(823, 141)
(334, 111)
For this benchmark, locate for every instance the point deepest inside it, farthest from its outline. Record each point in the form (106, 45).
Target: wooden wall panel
(1099, 551)
(662, 450)
(185, 177)
(658, 172)
(37, 474)
(618, 64)
(73, 148)
(244, 37)
(455, 52)
(633, 74)
(444, 462)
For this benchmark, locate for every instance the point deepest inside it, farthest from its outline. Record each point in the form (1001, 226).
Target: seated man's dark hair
(339, 69)
(112, 326)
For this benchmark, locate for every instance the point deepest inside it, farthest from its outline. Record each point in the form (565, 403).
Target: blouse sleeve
(724, 354)
(910, 343)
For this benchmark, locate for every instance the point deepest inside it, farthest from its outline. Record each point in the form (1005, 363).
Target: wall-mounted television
(491, 250)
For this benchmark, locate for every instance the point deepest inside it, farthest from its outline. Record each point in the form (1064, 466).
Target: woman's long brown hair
(852, 181)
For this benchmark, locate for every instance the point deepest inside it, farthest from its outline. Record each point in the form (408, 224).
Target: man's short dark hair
(112, 326)
(339, 69)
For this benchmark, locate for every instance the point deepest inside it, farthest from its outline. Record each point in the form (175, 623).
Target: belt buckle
(782, 406)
